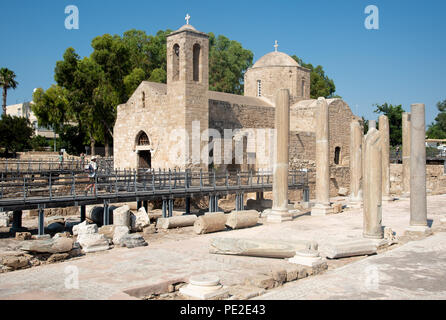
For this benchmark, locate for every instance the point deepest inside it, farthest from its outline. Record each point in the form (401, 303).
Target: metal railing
(31, 189)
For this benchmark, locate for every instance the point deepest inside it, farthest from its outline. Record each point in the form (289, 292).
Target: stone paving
(123, 273)
(414, 271)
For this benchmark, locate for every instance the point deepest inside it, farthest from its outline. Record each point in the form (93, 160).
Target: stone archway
(143, 150)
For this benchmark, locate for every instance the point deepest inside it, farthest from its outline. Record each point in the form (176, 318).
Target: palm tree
(7, 81)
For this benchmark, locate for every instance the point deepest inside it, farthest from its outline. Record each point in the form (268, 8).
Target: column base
(321, 210)
(278, 216)
(373, 236)
(309, 259)
(418, 230)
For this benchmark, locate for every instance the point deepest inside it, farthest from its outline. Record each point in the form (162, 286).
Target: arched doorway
(143, 149)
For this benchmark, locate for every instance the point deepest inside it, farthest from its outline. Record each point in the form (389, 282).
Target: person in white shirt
(92, 170)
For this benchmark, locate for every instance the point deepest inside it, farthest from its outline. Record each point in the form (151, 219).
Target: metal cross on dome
(276, 45)
(187, 18)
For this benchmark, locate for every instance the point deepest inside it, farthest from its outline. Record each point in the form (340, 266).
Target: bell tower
(188, 84)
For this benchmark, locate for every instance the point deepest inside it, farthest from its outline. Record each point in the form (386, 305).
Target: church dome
(276, 59)
(187, 27)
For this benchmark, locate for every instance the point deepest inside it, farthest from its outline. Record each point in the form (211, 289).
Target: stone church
(157, 125)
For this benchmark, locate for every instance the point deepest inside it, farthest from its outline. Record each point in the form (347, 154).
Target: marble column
(385, 157)
(322, 206)
(418, 206)
(356, 137)
(372, 124)
(280, 210)
(406, 154)
(373, 185)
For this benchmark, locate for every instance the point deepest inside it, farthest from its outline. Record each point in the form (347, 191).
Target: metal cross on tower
(276, 45)
(187, 18)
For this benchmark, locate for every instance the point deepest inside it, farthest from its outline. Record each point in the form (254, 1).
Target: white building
(24, 110)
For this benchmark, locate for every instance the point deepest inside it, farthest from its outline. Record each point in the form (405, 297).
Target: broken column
(385, 157)
(212, 222)
(176, 222)
(372, 124)
(280, 210)
(356, 137)
(372, 185)
(418, 206)
(406, 154)
(322, 206)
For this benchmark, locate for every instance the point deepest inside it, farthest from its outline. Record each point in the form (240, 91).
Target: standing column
(418, 206)
(372, 124)
(322, 206)
(385, 157)
(406, 154)
(280, 211)
(373, 185)
(356, 149)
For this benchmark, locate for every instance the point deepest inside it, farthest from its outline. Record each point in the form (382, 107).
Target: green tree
(133, 80)
(7, 81)
(51, 107)
(228, 62)
(366, 125)
(321, 85)
(437, 129)
(395, 115)
(39, 143)
(15, 133)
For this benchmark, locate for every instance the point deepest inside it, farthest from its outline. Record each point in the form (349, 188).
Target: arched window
(143, 139)
(196, 61)
(303, 88)
(143, 99)
(337, 155)
(176, 63)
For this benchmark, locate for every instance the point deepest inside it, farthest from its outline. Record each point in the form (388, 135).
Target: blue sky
(403, 62)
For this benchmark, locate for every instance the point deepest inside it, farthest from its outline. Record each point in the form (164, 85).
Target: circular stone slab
(204, 280)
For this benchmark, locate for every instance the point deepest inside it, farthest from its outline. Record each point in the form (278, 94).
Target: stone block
(349, 248)
(292, 273)
(108, 231)
(85, 228)
(133, 240)
(14, 261)
(121, 216)
(93, 242)
(4, 221)
(22, 236)
(58, 257)
(119, 233)
(59, 245)
(261, 281)
(139, 220)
